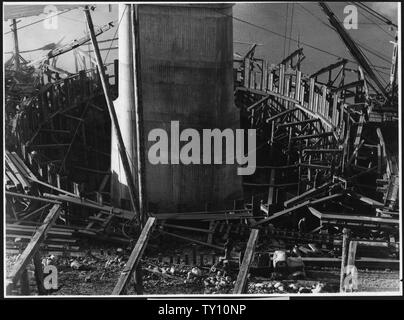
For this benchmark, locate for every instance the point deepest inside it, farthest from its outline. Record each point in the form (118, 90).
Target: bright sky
(305, 25)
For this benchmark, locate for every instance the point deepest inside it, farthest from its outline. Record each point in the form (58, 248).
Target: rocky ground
(96, 271)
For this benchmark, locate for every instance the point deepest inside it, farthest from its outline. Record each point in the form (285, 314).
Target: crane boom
(353, 48)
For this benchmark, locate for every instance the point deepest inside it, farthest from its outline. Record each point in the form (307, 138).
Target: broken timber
(33, 246)
(134, 258)
(241, 281)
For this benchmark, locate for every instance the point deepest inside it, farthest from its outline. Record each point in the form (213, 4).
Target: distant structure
(187, 76)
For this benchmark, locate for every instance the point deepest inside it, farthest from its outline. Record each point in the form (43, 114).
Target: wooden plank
(309, 192)
(187, 228)
(34, 244)
(24, 183)
(298, 85)
(345, 217)
(134, 258)
(53, 187)
(281, 213)
(302, 122)
(192, 240)
(345, 244)
(22, 165)
(281, 114)
(271, 187)
(91, 204)
(311, 94)
(241, 281)
(264, 83)
(366, 200)
(313, 136)
(327, 198)
(323, 102)
(25, 196)
(247, 73)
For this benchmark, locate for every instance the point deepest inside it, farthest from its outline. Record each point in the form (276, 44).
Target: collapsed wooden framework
(316, 134)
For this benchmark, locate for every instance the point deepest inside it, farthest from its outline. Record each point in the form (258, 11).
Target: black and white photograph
(202, 150)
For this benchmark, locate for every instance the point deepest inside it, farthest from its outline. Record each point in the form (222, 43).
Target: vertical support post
(16, 49)
(271, 187)
(39, 273)
(24, 282)
(344, 253)
(139, 115)
(241, 281)
(247, 73)
(311, 94)
(112, 113)
(264, 82)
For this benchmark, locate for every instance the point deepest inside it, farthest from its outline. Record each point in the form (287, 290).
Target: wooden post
(241, 281)
(247, 73)
(271, 188)
(39, 273)
(24, 282)
(140, 156)
(134, 258)
(112, 113)
(350, 276)
(311, 94)
(16, 49)
(344, 254)
(264, 83)
(352, 253)
(32, 247)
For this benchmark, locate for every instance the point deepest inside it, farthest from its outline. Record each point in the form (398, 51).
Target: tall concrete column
(125, 109)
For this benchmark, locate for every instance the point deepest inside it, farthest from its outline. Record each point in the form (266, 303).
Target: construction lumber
(34, 244)
(187, 228)
(366, 200)
(125, 214)
(134, 258)
(26, 196)
(281, 114)
(241, 281)
(360, 219)
(52, 187)
(315, 166)
(297, 123)
(191, 240)
(23, 167)
(220, 215)
(24, 183)
(322, 150)
(344, 254)
(327, 198)
(281, 213)
(306, 194)
(329, 68)
(313, 136)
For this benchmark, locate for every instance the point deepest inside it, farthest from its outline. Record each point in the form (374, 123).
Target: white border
(210, 296)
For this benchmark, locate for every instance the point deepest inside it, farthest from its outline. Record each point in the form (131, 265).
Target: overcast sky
(309, 24)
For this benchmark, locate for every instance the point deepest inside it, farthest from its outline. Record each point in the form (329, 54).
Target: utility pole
(139, 114)
(112, 113)
(16, 49)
